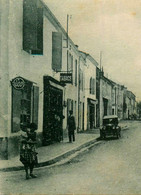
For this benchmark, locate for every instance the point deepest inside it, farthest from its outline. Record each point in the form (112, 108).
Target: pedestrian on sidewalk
(71, 126)
(28, 154)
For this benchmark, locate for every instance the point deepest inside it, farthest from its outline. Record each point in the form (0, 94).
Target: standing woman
(28, 154)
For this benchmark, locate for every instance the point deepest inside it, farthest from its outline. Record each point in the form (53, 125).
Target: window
(56, 51)
(32, 27)
(75, 72)
(92, 86)
(81, 80)
(69, 62)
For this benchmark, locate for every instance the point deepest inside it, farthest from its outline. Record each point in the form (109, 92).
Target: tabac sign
(18, 83)
(66, 77)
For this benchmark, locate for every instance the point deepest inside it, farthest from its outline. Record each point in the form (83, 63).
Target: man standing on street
(71, 126)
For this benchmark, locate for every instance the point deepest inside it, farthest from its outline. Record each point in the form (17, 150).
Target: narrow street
(111, 167)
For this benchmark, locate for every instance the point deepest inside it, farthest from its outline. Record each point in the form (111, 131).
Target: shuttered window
(39, 49)
(92, 86)
(69, 62)
(32, 27)
(75, 72)
(56, 51)
(81, 80)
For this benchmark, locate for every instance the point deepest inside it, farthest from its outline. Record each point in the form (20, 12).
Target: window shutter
(30, 22)
(72, 63)
(39, 49)
(94, 85)
(67, 60)
(35, 104)
(75, 72)
(90, 85)
(56, 51)
(40, 29)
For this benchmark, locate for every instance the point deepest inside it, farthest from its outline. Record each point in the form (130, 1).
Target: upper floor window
(32, 27)
(81, 81)
(75, 72)
(56, 51)
(69, 62)
(92, 86)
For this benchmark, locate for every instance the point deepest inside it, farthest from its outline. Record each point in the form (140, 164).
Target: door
(53, 115)
(92, 116)
(105, 106)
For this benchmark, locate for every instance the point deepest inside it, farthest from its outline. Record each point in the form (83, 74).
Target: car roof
(110, 116)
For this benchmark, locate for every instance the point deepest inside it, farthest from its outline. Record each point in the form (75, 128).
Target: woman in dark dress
(28, 154)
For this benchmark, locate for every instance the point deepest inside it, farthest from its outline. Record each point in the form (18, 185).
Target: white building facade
(35, 50)
(43, 76)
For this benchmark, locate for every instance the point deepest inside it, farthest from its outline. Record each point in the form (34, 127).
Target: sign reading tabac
(66, 77)
(18, 83)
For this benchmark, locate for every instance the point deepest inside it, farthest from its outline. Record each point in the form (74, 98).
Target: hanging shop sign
(66, 77)
(18, 83)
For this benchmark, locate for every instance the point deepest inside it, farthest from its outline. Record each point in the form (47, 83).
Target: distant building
(105, 96)
(89, 91)
(129, 105)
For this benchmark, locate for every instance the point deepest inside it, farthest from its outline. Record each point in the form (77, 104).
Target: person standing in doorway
(71, 126)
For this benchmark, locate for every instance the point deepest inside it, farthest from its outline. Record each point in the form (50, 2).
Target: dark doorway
(92, 116)
(105, 104)
(53, 114)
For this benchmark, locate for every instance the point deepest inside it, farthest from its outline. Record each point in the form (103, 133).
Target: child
(28, 155)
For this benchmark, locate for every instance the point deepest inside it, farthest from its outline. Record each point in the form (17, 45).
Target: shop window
(24, 106)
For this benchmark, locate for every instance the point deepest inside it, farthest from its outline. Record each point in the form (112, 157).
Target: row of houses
(44, 75)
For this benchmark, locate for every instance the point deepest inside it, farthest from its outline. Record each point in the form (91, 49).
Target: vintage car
(110, 127)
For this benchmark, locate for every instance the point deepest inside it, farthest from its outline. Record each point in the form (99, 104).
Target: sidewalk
(51, 154)
(48, 155)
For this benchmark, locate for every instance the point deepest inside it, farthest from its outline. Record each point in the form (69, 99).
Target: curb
(52, 161)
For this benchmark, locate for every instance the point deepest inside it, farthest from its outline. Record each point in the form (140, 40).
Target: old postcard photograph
(70, 97)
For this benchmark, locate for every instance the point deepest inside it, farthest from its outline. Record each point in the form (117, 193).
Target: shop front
(25, 100)
(53, 111)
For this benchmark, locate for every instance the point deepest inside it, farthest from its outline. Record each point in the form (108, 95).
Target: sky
(112, 27)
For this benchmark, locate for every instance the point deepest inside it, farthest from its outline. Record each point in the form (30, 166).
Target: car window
(110, 121)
